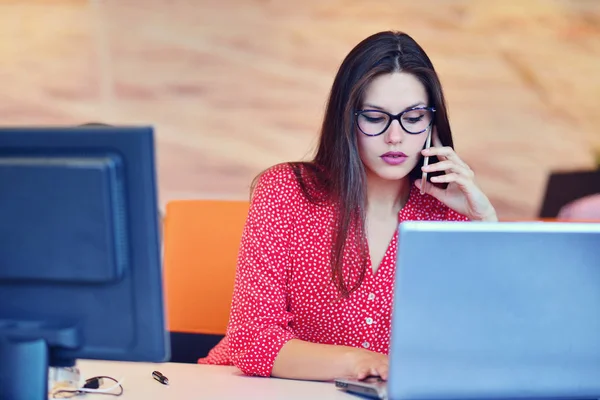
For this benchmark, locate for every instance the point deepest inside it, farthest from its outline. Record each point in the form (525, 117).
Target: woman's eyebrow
(373, 106)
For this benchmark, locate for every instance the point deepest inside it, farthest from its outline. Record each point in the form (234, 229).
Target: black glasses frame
(395, 117)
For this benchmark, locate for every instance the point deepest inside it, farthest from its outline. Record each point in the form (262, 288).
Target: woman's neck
(385, 197)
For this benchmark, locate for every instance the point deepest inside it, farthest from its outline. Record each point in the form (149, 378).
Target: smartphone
(426, 161)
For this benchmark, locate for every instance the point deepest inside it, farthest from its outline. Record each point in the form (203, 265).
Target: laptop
(505, 310)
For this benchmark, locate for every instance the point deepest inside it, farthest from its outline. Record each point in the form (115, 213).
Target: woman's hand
(462, 193)
(363, 363)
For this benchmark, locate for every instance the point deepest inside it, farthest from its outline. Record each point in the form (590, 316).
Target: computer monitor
(80, 270)
(565, 187)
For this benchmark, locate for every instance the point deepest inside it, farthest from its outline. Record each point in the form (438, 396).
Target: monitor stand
(25, 356)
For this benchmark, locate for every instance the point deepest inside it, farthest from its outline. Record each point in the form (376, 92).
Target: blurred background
(235, 86)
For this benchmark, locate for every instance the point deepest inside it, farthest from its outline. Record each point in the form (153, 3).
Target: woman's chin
(392, 176)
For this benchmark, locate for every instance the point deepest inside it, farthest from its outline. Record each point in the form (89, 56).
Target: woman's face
(395, 152)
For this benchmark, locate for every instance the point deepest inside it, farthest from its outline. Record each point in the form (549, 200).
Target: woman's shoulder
(279, 175)
(296, 180)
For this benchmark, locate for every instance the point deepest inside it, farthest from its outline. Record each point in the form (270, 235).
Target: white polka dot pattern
(283, 287)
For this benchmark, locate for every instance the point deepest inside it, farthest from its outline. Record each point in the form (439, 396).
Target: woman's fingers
(444, 153)
(363, 372)
(382, 371)
(449, 166)
(459, 179)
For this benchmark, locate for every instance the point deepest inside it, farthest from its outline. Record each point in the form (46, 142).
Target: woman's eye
(374, 120)
(413, 120)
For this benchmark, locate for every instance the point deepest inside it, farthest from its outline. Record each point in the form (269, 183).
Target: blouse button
(369, 321)
(371, 296)
(366, 345)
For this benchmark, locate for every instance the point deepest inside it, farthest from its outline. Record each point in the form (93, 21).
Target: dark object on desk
(564, 187)
(80, 271)
(92, 385)
(160, 378)
(371, 387)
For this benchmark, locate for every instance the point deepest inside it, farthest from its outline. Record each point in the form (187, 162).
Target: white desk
(192, 381)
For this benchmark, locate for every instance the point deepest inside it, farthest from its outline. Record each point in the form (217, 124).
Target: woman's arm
(298, 359)
(259, 318)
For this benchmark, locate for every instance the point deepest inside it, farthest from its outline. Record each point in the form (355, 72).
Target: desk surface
(192, 381)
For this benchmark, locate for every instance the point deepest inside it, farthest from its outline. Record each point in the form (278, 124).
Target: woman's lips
(394, 157)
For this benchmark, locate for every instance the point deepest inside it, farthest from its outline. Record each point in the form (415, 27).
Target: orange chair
(201, 242)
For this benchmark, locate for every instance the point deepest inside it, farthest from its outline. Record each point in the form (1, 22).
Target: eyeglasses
(413, 121)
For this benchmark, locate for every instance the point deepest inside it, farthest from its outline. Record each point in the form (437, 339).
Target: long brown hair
(337, 169)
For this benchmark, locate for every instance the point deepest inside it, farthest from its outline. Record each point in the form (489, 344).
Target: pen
(160, 377)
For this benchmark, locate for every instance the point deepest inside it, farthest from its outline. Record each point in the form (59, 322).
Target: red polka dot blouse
(283, 286)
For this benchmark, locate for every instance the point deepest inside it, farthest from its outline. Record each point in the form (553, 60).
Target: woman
(314, 282)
